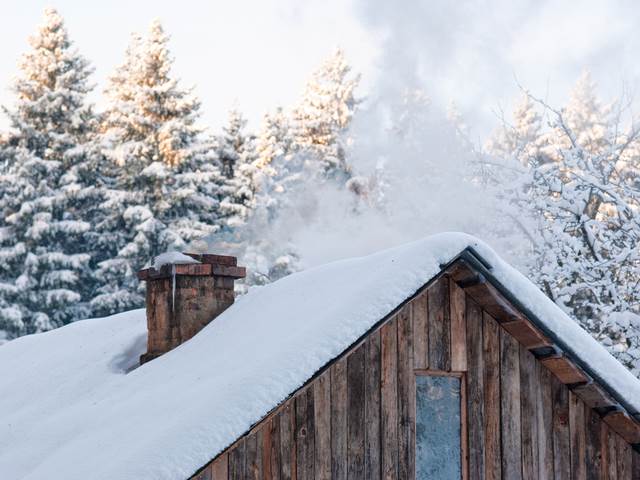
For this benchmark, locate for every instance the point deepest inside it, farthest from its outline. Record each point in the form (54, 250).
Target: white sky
(259, 52)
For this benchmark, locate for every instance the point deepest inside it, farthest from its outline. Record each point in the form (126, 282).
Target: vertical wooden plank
(439, 325)
(267, 449)
(612, 457)
(271, 449)
(491, 357)
(510, 406)
(339, 420)
(253, 445)
(310, 439)
(420, 322)
(635, 464)
(250, 456)
(355, 413)
(475, 391)
(305, 435)
(389, 399)
(545, 423)
(220, 468)
(623, 450)
(578, 437)
(529, 414)
(458, 328)
(204, 474)
(593, 455)
(322, 404)
(372, 407)
(561, 433)
(287, 445)
(406, 398)
(237, 458)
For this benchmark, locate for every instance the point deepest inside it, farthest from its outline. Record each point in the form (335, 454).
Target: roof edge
(484, 268)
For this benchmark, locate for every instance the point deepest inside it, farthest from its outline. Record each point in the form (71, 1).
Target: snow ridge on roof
(69, 406)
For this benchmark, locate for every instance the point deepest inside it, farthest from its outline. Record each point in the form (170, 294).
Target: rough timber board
(492, 301)
(565, 370)
(393, 330)
(622, 423)
(528, 336)
(594, 395)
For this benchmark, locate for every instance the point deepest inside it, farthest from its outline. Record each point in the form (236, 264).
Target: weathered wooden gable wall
(356, 419)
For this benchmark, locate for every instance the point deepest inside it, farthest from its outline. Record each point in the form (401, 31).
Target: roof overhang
(474, 274)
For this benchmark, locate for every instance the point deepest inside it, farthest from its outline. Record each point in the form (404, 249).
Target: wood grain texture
(305, 435)
(389, 399)
(439, 325)
(253, 462)
(593, 395)
(635, 464)
(611, 462)
(356, 419)
(220, 467)
(560, 430)
(491, 358)
(487, 296)
(545, 423)
(204, 474)
(372, 456)
(237, 457)
(458, 328)
(510, 407)
(419, 315)
(271, 449)
(578, 438)
(594, 444)
(529, 414)
(565, 370)
(624, 425)
(475, 390)
(625, 459)
(322, 404)
(287, 443)
(406, 397)
(339, 420)
(526, 334)
(355, 413)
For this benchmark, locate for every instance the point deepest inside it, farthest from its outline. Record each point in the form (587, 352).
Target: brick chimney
(183, 298)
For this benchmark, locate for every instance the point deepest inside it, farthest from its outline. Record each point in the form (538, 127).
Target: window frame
(464, 447)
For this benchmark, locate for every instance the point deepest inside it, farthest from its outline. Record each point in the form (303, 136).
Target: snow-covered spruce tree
(274, 140)
(278, 166)
(166, 195)
(277, 176)
(236, 155)
(580, 200)
(322, 118)
(50, 187)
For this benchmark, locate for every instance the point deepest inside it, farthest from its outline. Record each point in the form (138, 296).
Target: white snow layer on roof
(70, 407)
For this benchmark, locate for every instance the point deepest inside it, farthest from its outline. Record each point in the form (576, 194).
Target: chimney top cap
(212, 259)
(205, 264)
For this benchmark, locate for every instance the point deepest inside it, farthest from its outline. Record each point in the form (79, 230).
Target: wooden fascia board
(472, 273)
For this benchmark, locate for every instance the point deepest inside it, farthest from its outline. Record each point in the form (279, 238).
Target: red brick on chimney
(182, 299)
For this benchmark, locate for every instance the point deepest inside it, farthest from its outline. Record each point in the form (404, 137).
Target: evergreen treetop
(47, 191)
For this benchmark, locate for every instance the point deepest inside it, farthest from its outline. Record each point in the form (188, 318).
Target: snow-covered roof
(73, 403)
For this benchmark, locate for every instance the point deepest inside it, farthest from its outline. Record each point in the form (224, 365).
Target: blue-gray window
(438, 428)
